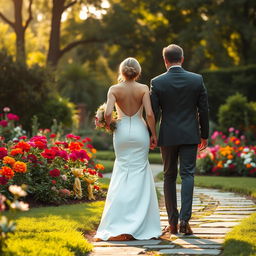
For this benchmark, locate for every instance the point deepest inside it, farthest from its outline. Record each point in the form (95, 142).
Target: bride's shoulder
(144, 87)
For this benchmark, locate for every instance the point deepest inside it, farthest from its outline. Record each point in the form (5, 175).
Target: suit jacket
(179, 98)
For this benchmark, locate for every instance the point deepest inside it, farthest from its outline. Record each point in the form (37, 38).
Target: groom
(180, 98)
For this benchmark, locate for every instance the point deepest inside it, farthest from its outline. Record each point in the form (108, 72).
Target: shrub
(226, 82)
(237, 112)
(29, 91)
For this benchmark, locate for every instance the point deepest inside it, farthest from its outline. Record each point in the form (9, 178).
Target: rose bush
(44, 164)
(228, 156)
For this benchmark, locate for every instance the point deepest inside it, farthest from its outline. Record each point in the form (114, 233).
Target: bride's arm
(150, 117)
(110, 106)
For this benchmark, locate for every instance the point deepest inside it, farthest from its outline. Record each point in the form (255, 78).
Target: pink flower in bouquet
(48, 154)
(242, 137)
(54, 173)
(38, 142)
(3, 152)
(3, 123)
(14, 117)
(231, 129)
(2, 202)
(236, 131)
(62, 153)
(73, 156)
(215, 135)
(23, 137)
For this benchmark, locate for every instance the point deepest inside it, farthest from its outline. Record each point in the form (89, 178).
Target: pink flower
(3, 123)
(242, 137)
(6, 109)
(14, 117)
(22, 137)
(3, 152)
(236, 131)
(231, 129)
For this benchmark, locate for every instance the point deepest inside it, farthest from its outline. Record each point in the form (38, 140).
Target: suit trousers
(185, 156)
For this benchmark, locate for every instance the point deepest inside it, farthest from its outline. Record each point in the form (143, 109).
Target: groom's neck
(168, 65)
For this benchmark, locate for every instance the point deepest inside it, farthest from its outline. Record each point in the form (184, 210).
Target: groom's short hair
(173, 53)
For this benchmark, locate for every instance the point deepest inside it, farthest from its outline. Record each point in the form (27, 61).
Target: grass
(55, 231)
(241, 241)
(108, 156)
(243, 185)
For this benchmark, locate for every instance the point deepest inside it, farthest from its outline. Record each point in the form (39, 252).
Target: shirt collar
(174, 66)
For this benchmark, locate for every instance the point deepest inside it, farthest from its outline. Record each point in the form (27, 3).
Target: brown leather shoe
(185, 228)
(174, 229)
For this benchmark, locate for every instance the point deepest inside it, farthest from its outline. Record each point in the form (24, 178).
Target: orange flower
(230, 157)
(20, 167)
(237, 142)
(248, 165)
(23, 145)
(16, 151)
(220, 165)
(93, 150)
(89, 154)
(99, 166)
(8, 160)
(75, 145)
(7, 172)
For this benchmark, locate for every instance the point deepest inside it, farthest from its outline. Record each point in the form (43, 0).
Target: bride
(131, 209)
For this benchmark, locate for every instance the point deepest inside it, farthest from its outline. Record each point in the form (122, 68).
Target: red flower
(75, 146)
(54, 182)
(32, 158)
(48, 154)
(3, 123)
(100, 174)
(54, 173)
(7, 172)
(23, 145)
(53, 135)
(3, 152)
(72, 136)
(89, 146)
(14, 117)
(23, 137)
(3, 180)
(87, 139)
(96, 187)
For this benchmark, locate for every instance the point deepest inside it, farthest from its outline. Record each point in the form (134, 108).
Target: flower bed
(228, 156)
(53, 170)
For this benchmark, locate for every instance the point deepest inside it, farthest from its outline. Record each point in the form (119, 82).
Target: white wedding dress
(131, 204)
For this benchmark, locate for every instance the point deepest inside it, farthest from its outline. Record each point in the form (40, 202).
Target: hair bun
(129, 71)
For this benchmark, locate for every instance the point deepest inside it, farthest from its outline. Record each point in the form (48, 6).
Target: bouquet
(100, 122)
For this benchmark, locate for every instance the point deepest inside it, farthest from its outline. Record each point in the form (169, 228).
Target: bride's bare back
(129, 96)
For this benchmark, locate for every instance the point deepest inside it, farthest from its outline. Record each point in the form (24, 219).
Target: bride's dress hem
(134, 236)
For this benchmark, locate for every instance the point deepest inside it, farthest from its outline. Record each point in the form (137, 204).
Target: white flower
(19, 205)
(247, 160)
(229, 161)
(242, 155)
(17, 190)
(246, 149)
(64, 177)
(225, 165)
(247, 155)
(253, 164)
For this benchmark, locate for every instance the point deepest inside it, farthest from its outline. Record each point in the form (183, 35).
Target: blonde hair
(129, 69)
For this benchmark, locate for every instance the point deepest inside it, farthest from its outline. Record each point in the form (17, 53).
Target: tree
(19, 28)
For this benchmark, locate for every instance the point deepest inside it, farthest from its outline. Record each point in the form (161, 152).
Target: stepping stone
(126, 243)
(202, 236)
(190, 251)
(219, 225)
(233, 212)
(235, 209)
(196, 241)
(221, 220)
(211, 230)
(226, 216)
(203, 246)
(159, 247)
(117, 251)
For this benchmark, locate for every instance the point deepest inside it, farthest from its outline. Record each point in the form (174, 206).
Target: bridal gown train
(131, 204)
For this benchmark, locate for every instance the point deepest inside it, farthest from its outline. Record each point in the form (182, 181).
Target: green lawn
(241, 241)
(243, 185)
(108, 156)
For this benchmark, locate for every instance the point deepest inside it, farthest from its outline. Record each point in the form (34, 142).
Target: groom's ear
(182, 59)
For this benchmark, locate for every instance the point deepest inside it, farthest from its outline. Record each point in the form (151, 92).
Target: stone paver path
(215, 213)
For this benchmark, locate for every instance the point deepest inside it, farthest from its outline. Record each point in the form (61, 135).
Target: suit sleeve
(203, 111)
(154, 100)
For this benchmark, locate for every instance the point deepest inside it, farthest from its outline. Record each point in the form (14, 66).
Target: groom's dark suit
(181, 98)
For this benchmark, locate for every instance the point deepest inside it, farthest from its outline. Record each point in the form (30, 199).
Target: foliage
(7, 225)
(29, 91)
(9, 127)
(225, 82)
(242, 185)
(239, 113)
(242, 238)
(46, 166)
(62, 230)
(229, 156)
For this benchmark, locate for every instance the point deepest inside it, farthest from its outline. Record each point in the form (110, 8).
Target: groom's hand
(203, 145)
(153, 142)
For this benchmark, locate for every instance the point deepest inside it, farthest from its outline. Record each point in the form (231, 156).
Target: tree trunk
(54, 42)
(20, 32)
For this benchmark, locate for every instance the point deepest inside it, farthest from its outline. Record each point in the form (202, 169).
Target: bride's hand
(153, 142)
